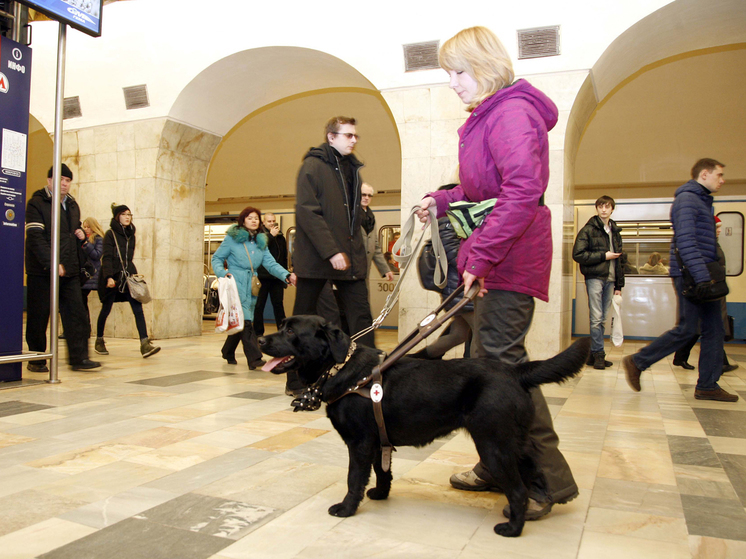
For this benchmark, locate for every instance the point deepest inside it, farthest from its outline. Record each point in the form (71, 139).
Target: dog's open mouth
(278, 362)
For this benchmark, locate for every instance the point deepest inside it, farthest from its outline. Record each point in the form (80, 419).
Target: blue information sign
(15, 91)
(83, 15)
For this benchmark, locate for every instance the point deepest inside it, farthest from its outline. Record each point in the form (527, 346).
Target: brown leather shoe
(718, 394)
(632, 372)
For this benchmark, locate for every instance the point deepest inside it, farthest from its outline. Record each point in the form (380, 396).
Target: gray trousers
(501, 322)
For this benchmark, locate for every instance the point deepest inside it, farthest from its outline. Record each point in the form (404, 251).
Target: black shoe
(231, 359)
(598, 360)
(61, 336)
(684, 365)
(258, 364)
(85, 365)
(730, 367)
(34, 368)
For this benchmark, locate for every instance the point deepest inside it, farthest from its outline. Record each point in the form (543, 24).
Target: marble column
(158, 168)
(428, 119)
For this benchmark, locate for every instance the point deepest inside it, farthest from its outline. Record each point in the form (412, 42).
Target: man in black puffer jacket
(694, 237)
(597, 249)
(38, 262)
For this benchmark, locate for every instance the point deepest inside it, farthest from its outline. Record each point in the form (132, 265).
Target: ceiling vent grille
(539, 42)
(136, 97)
(421, 56)
(71, 108)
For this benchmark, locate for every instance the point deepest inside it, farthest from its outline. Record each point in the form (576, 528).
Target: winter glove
(702, 290)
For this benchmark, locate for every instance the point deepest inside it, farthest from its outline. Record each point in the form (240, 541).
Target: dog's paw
(377, 494)
(342, 510)
(507, 531)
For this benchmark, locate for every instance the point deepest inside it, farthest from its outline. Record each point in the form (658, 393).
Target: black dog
(423, 400)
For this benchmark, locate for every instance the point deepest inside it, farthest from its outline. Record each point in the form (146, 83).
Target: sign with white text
(83, 15)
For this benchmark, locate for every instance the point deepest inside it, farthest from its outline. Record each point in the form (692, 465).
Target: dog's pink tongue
(272, 363)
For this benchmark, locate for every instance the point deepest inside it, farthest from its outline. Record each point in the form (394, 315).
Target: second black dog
(423, 400)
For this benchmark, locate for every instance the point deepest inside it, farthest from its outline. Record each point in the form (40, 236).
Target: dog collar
(336, 368)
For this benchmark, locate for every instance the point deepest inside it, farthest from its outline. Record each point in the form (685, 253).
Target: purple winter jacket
(504, 154)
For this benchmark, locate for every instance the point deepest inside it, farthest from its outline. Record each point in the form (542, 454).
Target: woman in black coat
(116, 265)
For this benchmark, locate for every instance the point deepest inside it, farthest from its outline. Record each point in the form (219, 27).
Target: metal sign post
(54, 296)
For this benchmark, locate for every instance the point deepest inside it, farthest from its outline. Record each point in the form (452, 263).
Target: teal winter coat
(232, 251)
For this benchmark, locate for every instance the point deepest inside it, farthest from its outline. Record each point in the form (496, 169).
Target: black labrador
(423, 400)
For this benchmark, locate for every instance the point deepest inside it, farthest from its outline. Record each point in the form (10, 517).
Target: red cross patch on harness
(376, 392)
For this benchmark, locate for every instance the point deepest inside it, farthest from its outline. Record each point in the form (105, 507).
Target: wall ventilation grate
(539, 42)
(421, 56)
(136, 97)
(71, 108)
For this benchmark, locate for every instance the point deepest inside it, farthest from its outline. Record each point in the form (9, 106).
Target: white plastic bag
(617, 334)
(230, 313)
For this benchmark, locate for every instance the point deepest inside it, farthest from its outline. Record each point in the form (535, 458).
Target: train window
(731, 241)
(646, 247)
(387, 236)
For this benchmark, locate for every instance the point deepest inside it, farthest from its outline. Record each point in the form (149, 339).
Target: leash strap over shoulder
(404, 247)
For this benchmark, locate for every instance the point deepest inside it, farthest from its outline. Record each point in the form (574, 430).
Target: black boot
(598, 360)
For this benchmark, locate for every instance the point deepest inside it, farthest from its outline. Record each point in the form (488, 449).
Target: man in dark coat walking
(38, 262)
(329, 240)
(694, 237)
(597, 249)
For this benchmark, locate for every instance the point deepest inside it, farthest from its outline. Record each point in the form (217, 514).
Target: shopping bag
(230, 314)
(617, 333)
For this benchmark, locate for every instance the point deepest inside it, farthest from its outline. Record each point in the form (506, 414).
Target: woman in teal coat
(243, 241)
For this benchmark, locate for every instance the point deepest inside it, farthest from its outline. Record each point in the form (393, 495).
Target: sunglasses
(348, 135)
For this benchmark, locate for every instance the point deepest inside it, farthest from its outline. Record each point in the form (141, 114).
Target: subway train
(387, 225)
(648, 299)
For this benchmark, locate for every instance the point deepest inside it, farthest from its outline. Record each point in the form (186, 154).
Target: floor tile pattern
(184, 456)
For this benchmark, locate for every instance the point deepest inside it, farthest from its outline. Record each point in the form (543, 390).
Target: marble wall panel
(158, 168)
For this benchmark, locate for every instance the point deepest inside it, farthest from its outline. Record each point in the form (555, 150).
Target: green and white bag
(468, 216)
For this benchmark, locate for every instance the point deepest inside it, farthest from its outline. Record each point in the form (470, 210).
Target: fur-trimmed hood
(241, 235)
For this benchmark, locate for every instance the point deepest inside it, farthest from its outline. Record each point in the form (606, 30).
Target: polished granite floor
(182, 456)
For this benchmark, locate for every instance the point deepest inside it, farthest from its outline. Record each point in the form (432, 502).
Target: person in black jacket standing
(329, 238)
(38, 262)
(116, 265)
(597, 249)
(271, 286)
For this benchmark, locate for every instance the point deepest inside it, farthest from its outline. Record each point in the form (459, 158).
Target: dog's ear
(339, 342)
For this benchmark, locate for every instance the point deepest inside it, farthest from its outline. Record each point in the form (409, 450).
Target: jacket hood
(521, 89)
(695, 188)
(327, 154)
(241, 235)
(117, 227)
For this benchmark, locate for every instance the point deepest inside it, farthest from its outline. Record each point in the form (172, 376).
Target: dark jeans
(693, 318)
(85, 293)
(108, 303)
(275, 288)
(682, 354)
(250, 345)
(501, 322)
(71, 310)
(353, 298)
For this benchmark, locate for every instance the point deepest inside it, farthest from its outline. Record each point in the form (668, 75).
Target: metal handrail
(29, 356)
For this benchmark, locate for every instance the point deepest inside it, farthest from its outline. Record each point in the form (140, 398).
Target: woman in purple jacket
(504, 154)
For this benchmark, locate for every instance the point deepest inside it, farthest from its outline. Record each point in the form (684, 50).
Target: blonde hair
(95, 228)
(478, 52)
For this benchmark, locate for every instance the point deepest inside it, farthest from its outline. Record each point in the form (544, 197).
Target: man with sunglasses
(329, 238)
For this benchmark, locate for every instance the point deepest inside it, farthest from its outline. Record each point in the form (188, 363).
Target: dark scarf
(369, 221)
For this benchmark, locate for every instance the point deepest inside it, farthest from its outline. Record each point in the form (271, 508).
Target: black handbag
(426, 264)
(717, 288)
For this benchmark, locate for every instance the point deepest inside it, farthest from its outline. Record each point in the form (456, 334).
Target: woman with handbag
(116, 267)
(504, 154)
(242, 251)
